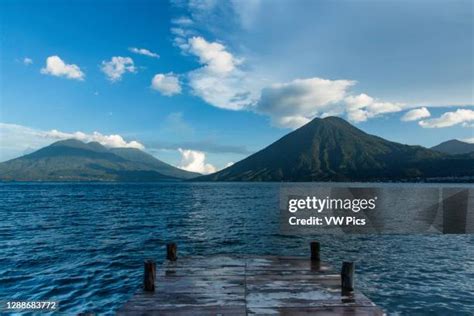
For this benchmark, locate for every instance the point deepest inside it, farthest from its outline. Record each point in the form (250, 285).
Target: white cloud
(15, 139)
(181, 34)
(182, 30)
(222, 83)
(213, 55)
(143, 51)
(182, 21)
(167, 84)
(55, 66)
(468, 140)
(219, 81)
(232, 92)
(228, 164)
(460, 116)
(195, 161)
(292, 122)
(117, 67)
(380, 107)
(110, 141)
(27, 61)
(358, 101)
(228, 82)
(302, 96)
(294, 103)
(225, 82)
(416, 114)
(361, 107)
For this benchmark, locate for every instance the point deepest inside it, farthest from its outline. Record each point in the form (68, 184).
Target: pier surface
(223, 285)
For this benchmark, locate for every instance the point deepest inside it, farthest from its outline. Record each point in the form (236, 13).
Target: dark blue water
(84, 244)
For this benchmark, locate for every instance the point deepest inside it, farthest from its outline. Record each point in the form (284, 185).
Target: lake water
(84, 244)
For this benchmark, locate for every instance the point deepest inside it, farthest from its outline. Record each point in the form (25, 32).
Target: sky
(203, 84)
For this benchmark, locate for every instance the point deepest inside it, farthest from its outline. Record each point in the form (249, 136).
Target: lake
(83, 244)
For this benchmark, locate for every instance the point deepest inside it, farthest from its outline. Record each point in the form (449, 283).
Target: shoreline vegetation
(324, 150)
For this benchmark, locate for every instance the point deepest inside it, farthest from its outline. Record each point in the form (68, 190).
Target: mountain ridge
(454, 147)
(331, 149)
(74, 160)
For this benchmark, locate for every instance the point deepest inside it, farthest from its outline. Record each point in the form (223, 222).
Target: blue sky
(231, 76)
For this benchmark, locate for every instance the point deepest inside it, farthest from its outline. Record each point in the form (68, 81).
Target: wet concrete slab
(257, 285)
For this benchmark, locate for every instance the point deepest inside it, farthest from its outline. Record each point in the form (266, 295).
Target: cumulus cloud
(111, 141)
(55, 66)
(219, 81)
(117, 67)
(228, 82)
(144, 52)
(302, 96)
(195, 161)
(18, 139)
(416, 114)
(358, 101)
(224, 81)
(27, 61)
(213, 55)
(294, 103)
(460, 116)
(361, 107)
(166, 84)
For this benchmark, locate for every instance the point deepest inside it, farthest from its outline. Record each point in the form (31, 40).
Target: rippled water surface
(84, 244)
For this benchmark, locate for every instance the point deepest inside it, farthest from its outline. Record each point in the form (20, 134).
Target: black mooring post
(347, 277)
(149, 276)
(315, 248)
(172, 251)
